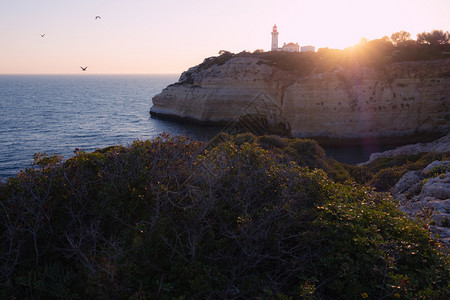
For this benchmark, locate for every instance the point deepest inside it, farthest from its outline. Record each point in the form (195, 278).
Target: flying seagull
(42, 35)
(97, 17)
(83, 69)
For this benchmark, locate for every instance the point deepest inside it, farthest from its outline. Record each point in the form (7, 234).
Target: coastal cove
(269, 150)
(57, 114)
(139, 209)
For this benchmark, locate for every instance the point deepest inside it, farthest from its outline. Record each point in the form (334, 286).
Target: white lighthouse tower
(274, 38)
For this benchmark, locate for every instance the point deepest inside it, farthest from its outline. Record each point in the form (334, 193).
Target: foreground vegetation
(242, 217)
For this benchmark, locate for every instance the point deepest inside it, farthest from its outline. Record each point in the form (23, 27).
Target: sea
(56, 114)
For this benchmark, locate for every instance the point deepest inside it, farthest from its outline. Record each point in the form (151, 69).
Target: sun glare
(341, 24)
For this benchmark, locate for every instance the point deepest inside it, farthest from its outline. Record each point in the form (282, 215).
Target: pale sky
(145, 37)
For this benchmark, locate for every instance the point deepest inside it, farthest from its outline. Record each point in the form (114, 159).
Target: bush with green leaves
(169, 219)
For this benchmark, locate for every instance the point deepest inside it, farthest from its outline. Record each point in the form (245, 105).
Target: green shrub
(269, 141)
(242, 138)
(372, 249)
(383, 180)
(169, 219)
(308, 152)
(337, 171)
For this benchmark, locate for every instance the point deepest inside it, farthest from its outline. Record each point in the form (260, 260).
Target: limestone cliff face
(397, 99)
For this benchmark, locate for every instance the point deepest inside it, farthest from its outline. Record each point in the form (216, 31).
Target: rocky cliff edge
(388, 100)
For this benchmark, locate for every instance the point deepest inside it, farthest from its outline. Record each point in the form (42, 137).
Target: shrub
(372, 249)
(168, 219)
(337, 171)
(242, 138)
(383, 180)
(269, 141)
(309, 153)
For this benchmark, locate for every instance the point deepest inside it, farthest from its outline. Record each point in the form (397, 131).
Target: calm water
(56, 114)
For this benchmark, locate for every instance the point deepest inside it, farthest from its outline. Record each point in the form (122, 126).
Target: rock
(429, 201)
(441, 205)
(444, 234)
(438, 187)
(436, 165)
(407, 182)
(396, 99)
(440, 145)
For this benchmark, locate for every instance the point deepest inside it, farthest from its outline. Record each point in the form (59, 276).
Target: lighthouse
(274, 38)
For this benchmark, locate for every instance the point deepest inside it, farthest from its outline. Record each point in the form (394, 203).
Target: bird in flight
(83, 69)
(42, 35)
(97, 17)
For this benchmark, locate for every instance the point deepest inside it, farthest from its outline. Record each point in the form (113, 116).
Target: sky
(157, 37)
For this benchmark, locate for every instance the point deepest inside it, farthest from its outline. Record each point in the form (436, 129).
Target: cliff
(387, 100)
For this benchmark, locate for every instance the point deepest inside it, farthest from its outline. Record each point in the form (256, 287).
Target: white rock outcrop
(439, 145)
(426, 195)
(396, 99)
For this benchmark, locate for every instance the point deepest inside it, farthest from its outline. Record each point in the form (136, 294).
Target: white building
(291, 47)
(307, 48)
